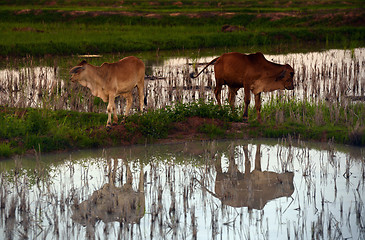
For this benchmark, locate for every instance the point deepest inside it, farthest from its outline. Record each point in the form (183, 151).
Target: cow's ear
(281, 75)
(77, 69)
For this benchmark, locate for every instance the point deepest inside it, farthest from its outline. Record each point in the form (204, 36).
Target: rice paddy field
(184, 168)
(326, 104)
(82, 27)
(206, 189)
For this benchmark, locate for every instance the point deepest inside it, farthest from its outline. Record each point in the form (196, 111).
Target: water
(332, 75)
(196, 190)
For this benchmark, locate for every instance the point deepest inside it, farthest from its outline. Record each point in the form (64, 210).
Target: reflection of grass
(171, 192)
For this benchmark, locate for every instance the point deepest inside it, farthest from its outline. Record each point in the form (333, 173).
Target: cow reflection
(251, 189)
(111, 203)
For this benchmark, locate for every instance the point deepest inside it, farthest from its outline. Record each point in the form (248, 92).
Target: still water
(334, 75)
(194, 190)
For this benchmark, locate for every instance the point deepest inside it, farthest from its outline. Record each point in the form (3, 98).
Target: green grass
(24, 130)
(186, 5)
(212, 130)
(314, 121)
(54, 30)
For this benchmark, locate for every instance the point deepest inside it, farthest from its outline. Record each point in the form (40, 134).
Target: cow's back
(123, 75)
(126, 68)
(237, 69)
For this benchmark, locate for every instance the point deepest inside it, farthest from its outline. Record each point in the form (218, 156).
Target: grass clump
(211, 130)
(154, 124)
(205, 110)
(6, 150)
(22, 130)
(321, 121)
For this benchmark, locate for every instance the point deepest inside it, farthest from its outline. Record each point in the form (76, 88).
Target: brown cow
(111, 80)
(252, 72)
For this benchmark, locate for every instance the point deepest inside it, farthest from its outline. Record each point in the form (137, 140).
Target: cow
(111, 80)
(252, 72)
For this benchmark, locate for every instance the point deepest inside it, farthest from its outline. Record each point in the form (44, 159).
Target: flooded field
(333, 75)
(196, 190)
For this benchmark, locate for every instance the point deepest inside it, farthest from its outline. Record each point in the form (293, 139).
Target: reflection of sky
(317, 199)
(27, 87)
(318, 76)
(328, 75)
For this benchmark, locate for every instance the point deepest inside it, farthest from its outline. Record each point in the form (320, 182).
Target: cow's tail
(206, 189)
(145, 96)
(211, 62)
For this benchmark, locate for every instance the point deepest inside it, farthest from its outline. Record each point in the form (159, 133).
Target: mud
(187, 130)
(353, 17)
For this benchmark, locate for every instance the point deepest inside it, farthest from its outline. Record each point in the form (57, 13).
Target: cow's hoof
(245, 120)
(108, 127)
(115, 123)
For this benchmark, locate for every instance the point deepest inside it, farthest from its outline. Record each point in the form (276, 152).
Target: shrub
(5, 150)
(153, 124)
(36, 123)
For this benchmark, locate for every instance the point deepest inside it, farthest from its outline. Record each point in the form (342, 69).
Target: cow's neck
(268, 82)
(95, 83)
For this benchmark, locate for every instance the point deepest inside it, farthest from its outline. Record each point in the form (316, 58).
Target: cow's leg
(129, 100)
(258, 106)
(110, 109)
(247, 103)
(140, 87)
(217, 93)
(232, 93)
(115, 116)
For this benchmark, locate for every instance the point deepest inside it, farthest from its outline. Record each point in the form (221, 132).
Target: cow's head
(77, 71)
(286, 77)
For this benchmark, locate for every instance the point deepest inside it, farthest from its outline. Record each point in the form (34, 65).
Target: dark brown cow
(111, 80)
(252, 72)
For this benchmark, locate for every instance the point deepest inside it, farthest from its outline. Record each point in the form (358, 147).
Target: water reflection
(111, 203)
(196, 190)
(252, 189)
(333, 75)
